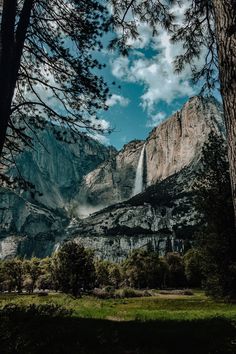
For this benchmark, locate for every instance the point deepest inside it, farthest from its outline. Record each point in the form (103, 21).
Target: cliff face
(178, 141)
(170, 147)
(113, 180)
(81, 178)
(56, 169)
(164, 213)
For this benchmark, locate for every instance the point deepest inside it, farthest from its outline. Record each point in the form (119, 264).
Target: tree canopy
(206, 27)
(48, 71)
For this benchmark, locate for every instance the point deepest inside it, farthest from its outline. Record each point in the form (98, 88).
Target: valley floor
(158, 324)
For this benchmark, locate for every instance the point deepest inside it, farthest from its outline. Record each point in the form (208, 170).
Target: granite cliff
(56, 169)
(164, 213)
(81, 178)
(171, 146)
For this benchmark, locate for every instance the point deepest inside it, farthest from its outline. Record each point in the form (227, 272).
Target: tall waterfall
(138, 184)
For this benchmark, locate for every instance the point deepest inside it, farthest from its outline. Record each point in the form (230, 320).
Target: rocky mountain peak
(79, 179)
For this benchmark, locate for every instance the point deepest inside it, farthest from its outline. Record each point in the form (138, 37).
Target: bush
(104, 293)
(188, 292)
(49, 310)
(129, 292)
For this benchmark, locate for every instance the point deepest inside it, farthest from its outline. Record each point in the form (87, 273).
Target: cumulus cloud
(103, 139)
(117, 99)
(99, 123)
(156, 74)
(120, 67)
(156, 119)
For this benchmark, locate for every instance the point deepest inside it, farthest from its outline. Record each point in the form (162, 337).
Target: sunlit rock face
(178, 141)
(87, 178)
(170, 147)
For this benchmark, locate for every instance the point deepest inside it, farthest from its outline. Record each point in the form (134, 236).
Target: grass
(167, 307)
(162, 324)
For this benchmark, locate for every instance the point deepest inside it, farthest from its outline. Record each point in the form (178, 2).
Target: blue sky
(150, 89)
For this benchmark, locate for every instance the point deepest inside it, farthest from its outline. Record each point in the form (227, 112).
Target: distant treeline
(74, 269)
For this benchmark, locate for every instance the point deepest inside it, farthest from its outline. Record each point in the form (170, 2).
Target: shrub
(129, 292)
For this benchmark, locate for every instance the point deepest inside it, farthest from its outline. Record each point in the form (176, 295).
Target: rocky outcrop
(79, 179)
(113, 180)
(170, 147)
(164, 213)
(56, 169)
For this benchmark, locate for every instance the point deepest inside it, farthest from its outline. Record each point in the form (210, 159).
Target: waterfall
(138, 184)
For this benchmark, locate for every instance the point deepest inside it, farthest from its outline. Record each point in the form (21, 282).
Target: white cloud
(117, 99)
(156, 119)
(156, 74)
(100, 123)
(144, 38)
(103, 139)
(120, 67)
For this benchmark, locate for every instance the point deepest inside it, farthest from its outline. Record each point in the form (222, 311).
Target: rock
(56, 169)
(170, 147)
(165, 210)
(88, 178)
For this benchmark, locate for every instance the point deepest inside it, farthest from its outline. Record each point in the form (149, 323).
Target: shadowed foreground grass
(160, 324)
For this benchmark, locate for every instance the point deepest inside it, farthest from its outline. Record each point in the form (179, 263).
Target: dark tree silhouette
(48, 74)
(208, 25)
(216, 241)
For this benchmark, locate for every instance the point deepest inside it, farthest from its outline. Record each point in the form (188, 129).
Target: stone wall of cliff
(170, 147)
(56, 169)
(88, 176)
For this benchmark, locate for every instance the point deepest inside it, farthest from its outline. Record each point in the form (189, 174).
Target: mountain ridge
(172, 157)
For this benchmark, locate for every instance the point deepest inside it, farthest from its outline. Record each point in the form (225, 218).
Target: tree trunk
(6, 64)
(225, 27)
(11, 49)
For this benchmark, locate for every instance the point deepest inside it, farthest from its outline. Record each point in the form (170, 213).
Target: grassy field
(158, 324)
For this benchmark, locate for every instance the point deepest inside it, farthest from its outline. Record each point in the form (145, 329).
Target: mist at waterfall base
(138, 184)
(84, 210)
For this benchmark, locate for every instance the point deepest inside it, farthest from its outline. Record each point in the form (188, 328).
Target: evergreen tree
(176, 275)
(193, 267)
(102, 273)
(216, 239)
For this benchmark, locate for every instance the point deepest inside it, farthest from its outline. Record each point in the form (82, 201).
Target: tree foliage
(195, 31)
(206, 30)
(216, 239)
(143, 269)
(73, 268)
(48, 73)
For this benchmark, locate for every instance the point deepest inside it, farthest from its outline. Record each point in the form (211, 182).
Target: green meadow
(58, 323)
